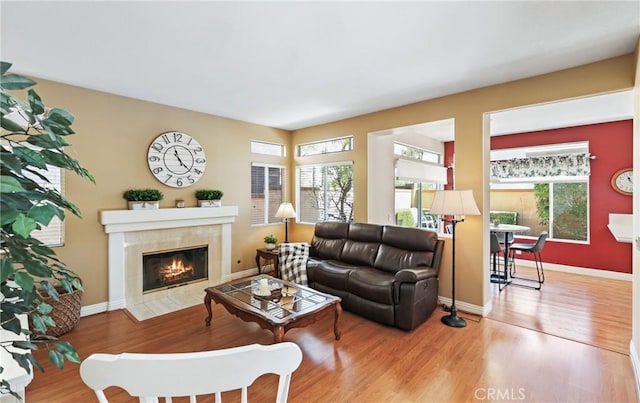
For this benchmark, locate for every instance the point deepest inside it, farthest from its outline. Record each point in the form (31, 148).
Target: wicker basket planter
(65, 312)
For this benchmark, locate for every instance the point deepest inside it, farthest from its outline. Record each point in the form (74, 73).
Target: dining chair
(501, 237)
(498, 271)
(152, 376)
(535, 249)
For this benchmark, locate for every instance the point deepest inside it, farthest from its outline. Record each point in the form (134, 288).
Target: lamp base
(453, 319)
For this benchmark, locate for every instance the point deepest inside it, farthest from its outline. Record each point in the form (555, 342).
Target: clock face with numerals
(176, 159)
(622, 181)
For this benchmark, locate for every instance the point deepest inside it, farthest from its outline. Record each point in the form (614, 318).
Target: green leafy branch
(32, 139)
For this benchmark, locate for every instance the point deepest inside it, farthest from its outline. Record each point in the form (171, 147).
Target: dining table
(508, 230)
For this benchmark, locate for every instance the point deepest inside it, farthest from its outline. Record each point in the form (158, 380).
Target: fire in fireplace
(172, 268)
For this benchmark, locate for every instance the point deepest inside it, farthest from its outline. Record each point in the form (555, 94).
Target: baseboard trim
(635, 364)
(95, 308)
(106, 306)
(241, 274)
(466, 307)
(585, 271)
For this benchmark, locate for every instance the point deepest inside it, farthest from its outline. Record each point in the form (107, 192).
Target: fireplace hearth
(173, 268)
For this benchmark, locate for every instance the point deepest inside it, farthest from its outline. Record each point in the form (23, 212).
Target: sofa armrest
(415, 274)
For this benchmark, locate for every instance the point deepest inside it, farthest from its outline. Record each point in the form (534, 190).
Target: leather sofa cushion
(381, 313)
(363, 243)
(332, 229)
(328, 239)
(392, 259)
(359, 253)
(414, 239)
(331, 273)
(365, 232)
(326, 248)
(372, 285)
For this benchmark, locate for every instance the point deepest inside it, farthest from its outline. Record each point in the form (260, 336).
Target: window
(264, 148)
(325, 192)
(267, 186)
(52, 234)
(547, 186)
(418, 175)
(49, 178)
(326, 146)
(562, 210)
(410, 195)
(415, 153)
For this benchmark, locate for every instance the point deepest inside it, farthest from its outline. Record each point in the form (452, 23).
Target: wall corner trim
(635, 364)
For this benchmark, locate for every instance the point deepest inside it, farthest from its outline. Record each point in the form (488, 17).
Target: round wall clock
(176, 159)
(622, 181)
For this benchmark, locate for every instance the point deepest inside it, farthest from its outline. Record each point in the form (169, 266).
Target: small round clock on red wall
(622, 181)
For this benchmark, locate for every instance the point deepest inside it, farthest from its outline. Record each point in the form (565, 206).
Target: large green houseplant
(32, 138)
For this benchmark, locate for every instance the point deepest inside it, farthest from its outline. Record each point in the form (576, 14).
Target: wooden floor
(489, 360)
(586, 309)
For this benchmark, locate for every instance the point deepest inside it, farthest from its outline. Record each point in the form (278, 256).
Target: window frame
(325, 142)
(266, 189)
(437, 157)
(528, 183)
(283, 148)
(325, 166)
(56, 228)
(56, 179)
(550, 224)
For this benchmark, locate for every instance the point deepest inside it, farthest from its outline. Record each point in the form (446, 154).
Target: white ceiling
(296, 64)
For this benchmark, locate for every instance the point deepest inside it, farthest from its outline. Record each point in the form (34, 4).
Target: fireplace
(134, 234)
(173, 268)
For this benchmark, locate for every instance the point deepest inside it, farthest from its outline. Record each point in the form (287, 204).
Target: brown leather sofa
(384, 273)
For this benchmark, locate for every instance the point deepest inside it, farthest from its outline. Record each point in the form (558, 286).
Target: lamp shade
(454, 202)
(286, 210)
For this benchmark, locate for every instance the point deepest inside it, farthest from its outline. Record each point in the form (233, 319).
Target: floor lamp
(286, 211)
(456, 203)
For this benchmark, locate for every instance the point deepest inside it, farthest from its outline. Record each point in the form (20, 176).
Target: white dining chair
(153, 376)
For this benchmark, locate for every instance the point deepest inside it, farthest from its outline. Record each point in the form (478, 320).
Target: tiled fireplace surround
(135, 232)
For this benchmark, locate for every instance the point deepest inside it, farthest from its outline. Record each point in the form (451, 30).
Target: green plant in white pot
(270, 241)
(209, 197)
(32, 141)
(143, 199)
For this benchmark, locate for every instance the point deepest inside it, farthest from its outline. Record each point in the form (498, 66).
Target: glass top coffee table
(288, 305)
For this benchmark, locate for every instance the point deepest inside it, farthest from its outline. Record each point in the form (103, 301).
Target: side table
(268, 255)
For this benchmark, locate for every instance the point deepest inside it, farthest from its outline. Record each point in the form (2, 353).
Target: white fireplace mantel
(143, 220)
(134, 232)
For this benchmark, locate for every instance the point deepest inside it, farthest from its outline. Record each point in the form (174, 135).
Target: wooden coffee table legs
(337, 314)
(278, 329)
(207, 304)
(278, 334)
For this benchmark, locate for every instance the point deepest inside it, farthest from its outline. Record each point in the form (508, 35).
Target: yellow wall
(471, 148)
(114, 134)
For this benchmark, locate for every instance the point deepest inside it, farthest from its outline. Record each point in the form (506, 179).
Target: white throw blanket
(293, 262)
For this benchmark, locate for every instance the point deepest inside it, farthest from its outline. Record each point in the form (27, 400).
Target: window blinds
(419, 171)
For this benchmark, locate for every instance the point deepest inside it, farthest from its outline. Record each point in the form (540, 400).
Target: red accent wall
(612, 144)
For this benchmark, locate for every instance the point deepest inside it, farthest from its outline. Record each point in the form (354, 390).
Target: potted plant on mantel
(143, 199)
(33, 142)
(209, 197)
